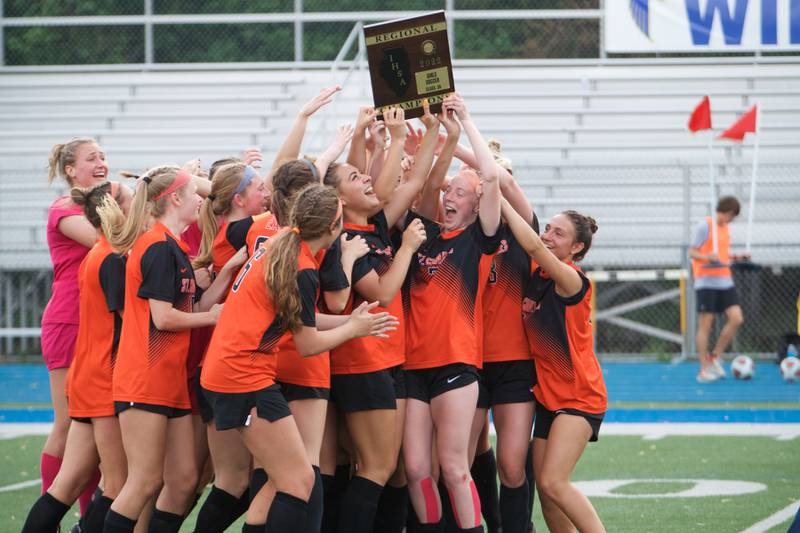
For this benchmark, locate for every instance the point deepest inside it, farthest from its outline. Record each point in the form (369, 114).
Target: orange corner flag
(701, 116)
(745, 124)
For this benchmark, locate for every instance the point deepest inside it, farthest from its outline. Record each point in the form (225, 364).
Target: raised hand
(253, 157)
(414, 235)
(455, 103)
(395, 120)
(446, 118)
(366, 115)
(413, 140)
(427, 119)
(376, 138)
(324, 97)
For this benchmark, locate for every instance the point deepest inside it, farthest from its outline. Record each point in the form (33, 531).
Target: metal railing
(149, 21)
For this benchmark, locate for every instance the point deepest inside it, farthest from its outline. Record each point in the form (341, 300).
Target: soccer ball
(790, 369)
(743, 367)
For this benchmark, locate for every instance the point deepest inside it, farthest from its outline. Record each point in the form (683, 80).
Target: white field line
(648, 431)
(774, 519)
(21, 485)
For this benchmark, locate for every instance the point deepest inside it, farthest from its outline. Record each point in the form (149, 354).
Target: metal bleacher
(607, 140)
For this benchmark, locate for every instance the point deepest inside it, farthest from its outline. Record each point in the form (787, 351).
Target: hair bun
(79, 196)
(494, 146)
(592, 225)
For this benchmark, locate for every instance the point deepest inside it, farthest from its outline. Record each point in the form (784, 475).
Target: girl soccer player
(94, 435)
(444, 331)
(159, 294)
(239, 373)
(570, 392)
(81, 163)
(367, 382)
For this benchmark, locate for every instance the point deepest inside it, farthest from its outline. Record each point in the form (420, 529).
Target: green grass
(760, 459)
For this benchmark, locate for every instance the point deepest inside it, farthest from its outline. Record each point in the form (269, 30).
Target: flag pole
(752, 205)
(712, 192)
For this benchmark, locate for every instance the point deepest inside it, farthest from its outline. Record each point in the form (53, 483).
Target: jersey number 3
(240, 278)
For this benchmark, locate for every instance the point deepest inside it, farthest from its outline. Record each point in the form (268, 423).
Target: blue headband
(312, 167)
(249, 174)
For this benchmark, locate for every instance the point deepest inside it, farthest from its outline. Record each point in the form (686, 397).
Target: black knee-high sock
(359, 505)
(94, 520)
(253, 528)
(287, 514)
(316, 503)
(334, 487)
(218, 512)
(484, 473)
(529, 477)
(45, 515)
(257, 480)
(164, 522)
(448, 520)
(392, 509)
(513, 508)
(117, 523)
(98, 492)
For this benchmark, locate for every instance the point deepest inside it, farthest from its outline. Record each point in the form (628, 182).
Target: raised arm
(290, 149)
(489, 212)
(429, 204)
(385, 183)
(407, 191)
(568, 282)
(343, 135)
(357, 156)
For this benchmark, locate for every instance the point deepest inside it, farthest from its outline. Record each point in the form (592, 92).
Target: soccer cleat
(716, 367)
(705, 376)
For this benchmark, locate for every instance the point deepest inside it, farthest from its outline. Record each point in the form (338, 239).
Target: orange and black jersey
(230, 238)
(248, 335)
(262, 229)
(444, 319)
(151, 361)
(559, 332)
(101, 282)
(503, 335)
(367, 354)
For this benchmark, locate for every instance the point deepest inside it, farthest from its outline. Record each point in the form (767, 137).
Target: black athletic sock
(253, 528)
(257, 480)
(94, 520)
(359, 505)
(334, 491)
(484, 473)
(392, 510)
(476, 529)
(164, 522)
(218, 512)
(98, 492)
(287, 514)
(45, 515)
(316, 503)
(448, 520)
(438, 527)
(531, 479)
(117, 523)
(513, 508)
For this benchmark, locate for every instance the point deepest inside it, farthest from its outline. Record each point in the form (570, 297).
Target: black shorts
(294, 392)
(203, 407)
(81, 419)
(544, 419)
(506, 382)
(716, 300)
(371, 390)
(428, 383)
(169, 412)
(232, 409)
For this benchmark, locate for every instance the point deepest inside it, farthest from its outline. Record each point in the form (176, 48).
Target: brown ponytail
(150, 185)
(314, 212)
(62, 156)
(218, 204)
(90, 199)
(585, 228)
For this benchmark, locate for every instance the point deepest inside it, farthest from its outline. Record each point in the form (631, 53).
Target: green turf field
(771, 462)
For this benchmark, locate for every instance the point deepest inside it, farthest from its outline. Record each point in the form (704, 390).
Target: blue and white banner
(701, 25)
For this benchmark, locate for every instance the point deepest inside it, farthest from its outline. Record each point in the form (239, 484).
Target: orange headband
(181, 179)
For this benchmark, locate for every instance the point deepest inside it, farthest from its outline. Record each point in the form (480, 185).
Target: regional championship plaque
(409, 59)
